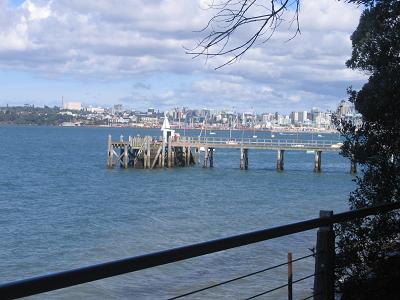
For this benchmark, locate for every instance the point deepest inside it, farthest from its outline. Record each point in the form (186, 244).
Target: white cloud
(36, 12)
(138, 38)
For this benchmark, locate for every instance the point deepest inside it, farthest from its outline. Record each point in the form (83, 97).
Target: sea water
(61, 208)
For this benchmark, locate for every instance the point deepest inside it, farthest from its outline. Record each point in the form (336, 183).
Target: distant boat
(337, 145)
(202, 149)
(272, 135)
(231, 142)
(212, 133)
(70, 124)
(254, 136)
(319, 135)
(310, 151)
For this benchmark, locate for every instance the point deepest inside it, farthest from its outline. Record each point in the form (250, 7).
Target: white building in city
(72, 105)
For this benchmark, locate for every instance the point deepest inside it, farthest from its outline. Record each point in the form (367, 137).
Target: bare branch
(255, 17)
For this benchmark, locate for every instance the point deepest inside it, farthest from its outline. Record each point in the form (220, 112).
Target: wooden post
(184, 154)
(205, 163)
(317, 161)
(110, 153)
(126, 156)
(244, 159)
(162, 164)
(169, 153)
(145, 153)
(188, 153)
(197, 155)
(353, 168)
(241, 159)
(156, 158)
(173, 156)
(211, 157)
(279, 161)
(324, 280)
(161, 158)
(149, 152)
(290, 276)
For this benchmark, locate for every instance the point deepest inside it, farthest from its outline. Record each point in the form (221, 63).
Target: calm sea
(61, 208)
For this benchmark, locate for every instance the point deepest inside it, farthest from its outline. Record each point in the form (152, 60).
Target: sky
(104, 52)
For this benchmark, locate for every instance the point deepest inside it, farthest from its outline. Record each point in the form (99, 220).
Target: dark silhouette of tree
(375, 144)
(238, 25)
(362, 270)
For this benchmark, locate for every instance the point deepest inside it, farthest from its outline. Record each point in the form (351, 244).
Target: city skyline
(74, 114)
(67, 105)
(82, 52)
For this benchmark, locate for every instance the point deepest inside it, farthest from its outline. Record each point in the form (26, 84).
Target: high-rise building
(294, 117)
(345, 108)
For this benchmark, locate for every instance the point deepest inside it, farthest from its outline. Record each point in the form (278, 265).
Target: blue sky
(105, 52)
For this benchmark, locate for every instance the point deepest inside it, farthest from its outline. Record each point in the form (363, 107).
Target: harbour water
(61, 208)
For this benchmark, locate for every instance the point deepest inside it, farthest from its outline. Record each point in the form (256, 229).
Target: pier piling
(110, 153)
(211, 157)
(172, 157)
(162, 165)
(317, 161)
(188, 153)
(205, 163)
(169, 152)
(126, 158)
(175, 151)
(244, 159)
(149, 153)
(197, 155)
(279, 161)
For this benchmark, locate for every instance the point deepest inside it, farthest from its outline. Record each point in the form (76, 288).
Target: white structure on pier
(166, 130)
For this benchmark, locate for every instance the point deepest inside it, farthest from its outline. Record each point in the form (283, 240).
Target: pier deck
(258, 144)
(149, 152)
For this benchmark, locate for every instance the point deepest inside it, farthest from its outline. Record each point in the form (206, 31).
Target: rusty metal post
(290, 276)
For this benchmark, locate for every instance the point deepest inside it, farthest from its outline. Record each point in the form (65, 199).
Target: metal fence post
(324, 280)
(290, 277)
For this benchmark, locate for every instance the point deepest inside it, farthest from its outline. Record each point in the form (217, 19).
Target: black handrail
(46, 283)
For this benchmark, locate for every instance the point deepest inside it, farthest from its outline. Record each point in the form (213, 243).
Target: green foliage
(374, 144)
(32, 116)
(376, 39)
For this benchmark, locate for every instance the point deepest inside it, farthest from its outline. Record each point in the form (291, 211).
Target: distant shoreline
(275, 129)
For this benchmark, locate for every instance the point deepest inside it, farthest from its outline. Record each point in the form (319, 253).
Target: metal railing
(36, 285)
(288, 285)
(256, 142)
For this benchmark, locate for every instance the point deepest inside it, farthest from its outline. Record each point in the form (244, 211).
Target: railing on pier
(330, 145)
(323, 271)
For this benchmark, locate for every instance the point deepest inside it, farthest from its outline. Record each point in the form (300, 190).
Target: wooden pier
(174, 151)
